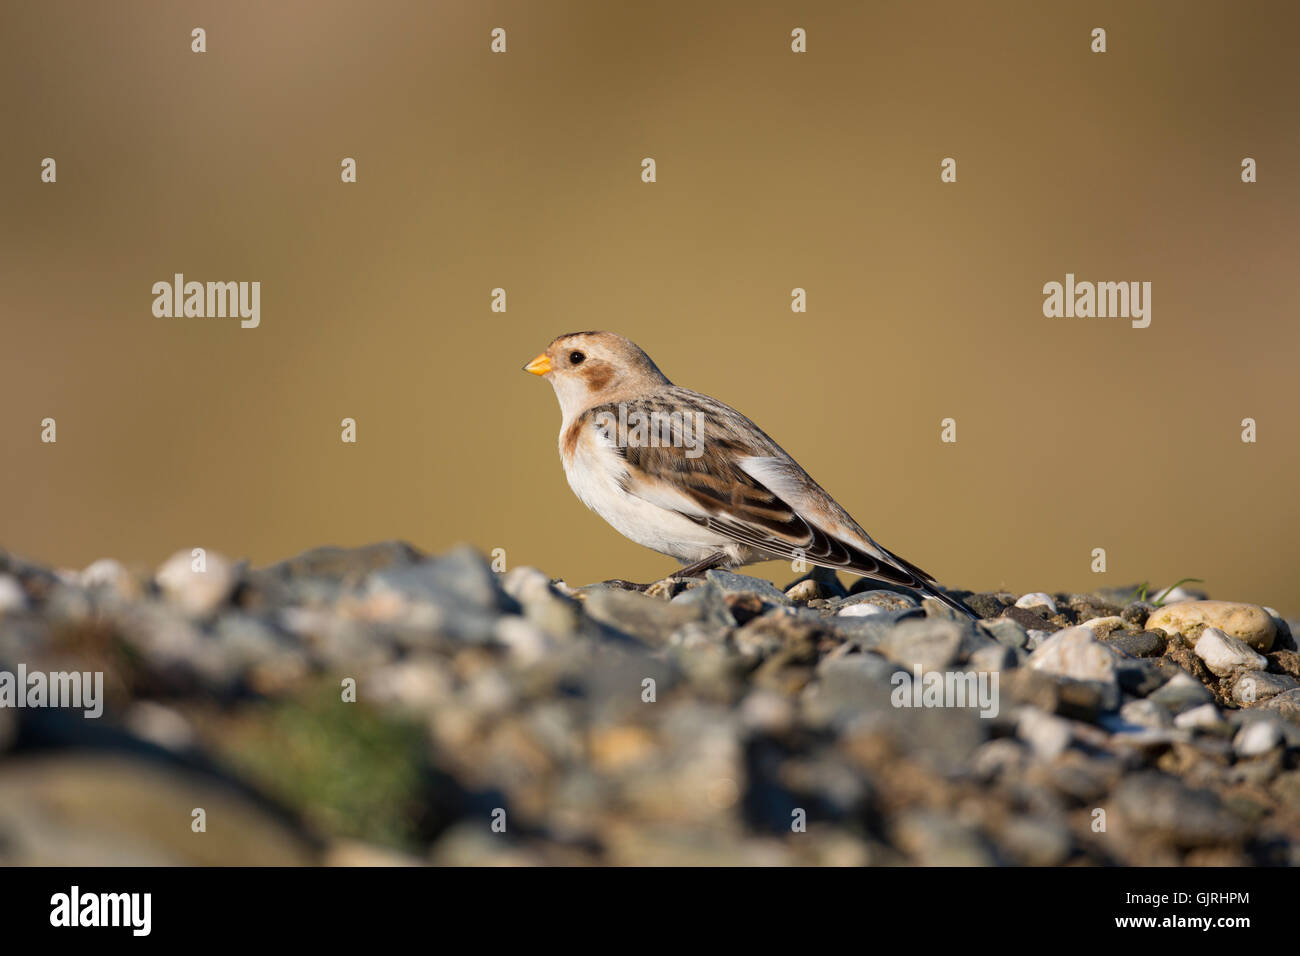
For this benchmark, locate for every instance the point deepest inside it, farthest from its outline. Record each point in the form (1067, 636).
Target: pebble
(1137, 643)
(1257, 737)
(1037, 839)
(1103, 626)
(738, 584)
(992, 658)
(1286, 703)
(1075, 653)
(1204, 717)
(931, 644)
(1136, 613)
(863, 609)
(12, 596)
(1252, 687)
(684, 725)
(1038, 599)
(160, 725)
(111, 576)
(1225, 655)
(1146, 713)
(461, 578)
(1154, 803)
(1181, 693)
(1034, 638)
(1007, 632)
(1246, 622)
(806, 590)
(1045, 733)
(939, 840)
(197, 592)
(545, 607)
(1031, 619)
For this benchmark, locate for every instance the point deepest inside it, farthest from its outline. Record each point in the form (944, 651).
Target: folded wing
(713, 466)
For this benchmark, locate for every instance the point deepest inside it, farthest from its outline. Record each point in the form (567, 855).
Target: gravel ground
(376, 705)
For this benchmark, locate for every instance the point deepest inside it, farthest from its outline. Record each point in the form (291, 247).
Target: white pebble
(1257, 737)
(1205, 717)
(160, 725)
(12, 597)
(1103, 626)
(1038, 599)
(1146, 713)
(109, 574)
(1224, 654)
(527, 643)
(861, 610)
(196, 592)
(1046, 733)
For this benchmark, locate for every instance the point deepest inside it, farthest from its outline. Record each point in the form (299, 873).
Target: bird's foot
(666, 589)
(700, 568)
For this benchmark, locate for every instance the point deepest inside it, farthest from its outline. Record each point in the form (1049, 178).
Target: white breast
(595, 470)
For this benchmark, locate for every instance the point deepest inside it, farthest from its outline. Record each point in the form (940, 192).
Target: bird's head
(591, 368)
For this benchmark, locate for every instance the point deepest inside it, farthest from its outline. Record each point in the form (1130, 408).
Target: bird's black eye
(576, 358)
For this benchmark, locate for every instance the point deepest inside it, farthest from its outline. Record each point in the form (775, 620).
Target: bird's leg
(699, 567)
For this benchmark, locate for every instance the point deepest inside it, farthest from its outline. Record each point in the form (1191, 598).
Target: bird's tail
(952, 602)
(925, 583)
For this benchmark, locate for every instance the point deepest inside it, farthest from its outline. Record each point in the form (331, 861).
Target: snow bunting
(690, 477)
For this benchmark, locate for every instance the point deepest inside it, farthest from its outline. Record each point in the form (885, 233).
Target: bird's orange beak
(540, 365)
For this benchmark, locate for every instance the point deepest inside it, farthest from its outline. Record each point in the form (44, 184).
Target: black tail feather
(949, 600)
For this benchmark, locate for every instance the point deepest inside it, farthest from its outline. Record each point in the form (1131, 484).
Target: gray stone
(1136, 613)
(710, 603)
(1007, 632)
(1076, 654)
(1137, 643)
(731, 583)
(932, 644)
(934, 839)
(995, 657)
(544, 606)
(856, 681)
(1287, 704)
(1046, 734)
(1252, 687)
(647, 619)
(1036, 840)
(1181, 693)
(1152, 802)
(460, 577)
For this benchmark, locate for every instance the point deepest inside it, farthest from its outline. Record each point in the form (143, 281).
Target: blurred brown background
(775, 170)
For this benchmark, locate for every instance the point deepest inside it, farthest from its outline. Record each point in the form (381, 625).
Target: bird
(692, 478)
